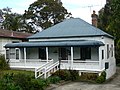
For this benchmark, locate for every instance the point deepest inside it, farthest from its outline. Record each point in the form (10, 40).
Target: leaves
(109, 20)
(46, 13)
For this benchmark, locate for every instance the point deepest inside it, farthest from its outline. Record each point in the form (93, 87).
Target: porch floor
(27, 65)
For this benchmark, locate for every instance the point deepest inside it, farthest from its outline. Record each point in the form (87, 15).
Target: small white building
(7, 36)
(73, 43)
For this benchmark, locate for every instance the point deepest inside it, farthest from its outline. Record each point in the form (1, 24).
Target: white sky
(79, 8)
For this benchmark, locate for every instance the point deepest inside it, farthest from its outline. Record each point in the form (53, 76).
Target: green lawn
(30, 73)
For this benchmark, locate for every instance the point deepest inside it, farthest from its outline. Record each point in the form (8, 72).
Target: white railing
(86, 61)
(30, 64)
(80, 65)
(28, 60)
(46, 69)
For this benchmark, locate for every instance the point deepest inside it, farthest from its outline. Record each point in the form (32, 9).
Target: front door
(63, 54)
(42, 53)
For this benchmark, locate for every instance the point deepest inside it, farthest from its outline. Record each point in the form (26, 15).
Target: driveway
(113, 84)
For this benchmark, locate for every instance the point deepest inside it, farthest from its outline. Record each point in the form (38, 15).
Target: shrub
(23, 80)
(63, 74)
(3, 64)
(54, 79)
(7, 83)
(38, 84)
(74, 75)
(103, 74)
(88, 76)
(67, 74)
(101, 78)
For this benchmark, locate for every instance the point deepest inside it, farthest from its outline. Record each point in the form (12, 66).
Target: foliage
(54, 79)
(46, 13)
(67, 74)
(63, 74)
(21, 81)
(3, 64)
(88, 76)
(109, 21)
(24, 80)
(74, 75)
(15, 22)
(40, 15)
(7, 83)
(101, 78)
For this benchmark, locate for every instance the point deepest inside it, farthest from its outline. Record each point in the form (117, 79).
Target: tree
(109, 20)
(46, 13)
(15, 21)
(12, 22)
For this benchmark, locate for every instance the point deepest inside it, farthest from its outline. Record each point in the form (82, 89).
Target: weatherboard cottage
(73, 43)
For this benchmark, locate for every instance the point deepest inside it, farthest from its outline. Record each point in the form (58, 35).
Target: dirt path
(112, 84)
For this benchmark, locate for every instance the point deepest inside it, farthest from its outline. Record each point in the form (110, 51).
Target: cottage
(73, 43)
(7, 36)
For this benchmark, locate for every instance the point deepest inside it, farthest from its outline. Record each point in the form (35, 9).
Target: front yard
(111, 84)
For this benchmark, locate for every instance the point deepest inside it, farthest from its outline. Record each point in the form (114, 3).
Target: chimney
(94, 19)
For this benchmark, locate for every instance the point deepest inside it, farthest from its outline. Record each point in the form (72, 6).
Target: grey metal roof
(74, 27)
(55, 43)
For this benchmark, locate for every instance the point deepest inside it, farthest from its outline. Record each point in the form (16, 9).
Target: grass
(30, 73)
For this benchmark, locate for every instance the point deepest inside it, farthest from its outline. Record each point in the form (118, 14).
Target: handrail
(45, 69)
(44, 65)
(52, 66)
(40, 70)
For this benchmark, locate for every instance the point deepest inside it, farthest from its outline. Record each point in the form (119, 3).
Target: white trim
(25, 56)
(100, 58)
(47, 53)
(71, 57)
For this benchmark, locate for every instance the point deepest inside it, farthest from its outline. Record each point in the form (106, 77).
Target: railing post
(45, 74)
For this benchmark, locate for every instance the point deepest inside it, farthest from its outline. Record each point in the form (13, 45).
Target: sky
(79, 8)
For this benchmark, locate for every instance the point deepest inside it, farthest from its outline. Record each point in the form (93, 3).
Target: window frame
(112, 50)
(7, 54)
(17, 53)
(108, 51)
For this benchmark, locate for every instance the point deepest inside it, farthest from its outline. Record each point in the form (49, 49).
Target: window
(102, 54)
(107, 51)
(63, 53)
(85, 53)
(12, 53)
(7, 54)
(111, 50)
(42, 53)
(17, 53)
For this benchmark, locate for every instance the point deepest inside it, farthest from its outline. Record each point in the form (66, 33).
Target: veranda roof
(55, 43)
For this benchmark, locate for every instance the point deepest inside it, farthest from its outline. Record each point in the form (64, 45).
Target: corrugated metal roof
(13, 34)
(74, 27)
(56, 43)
